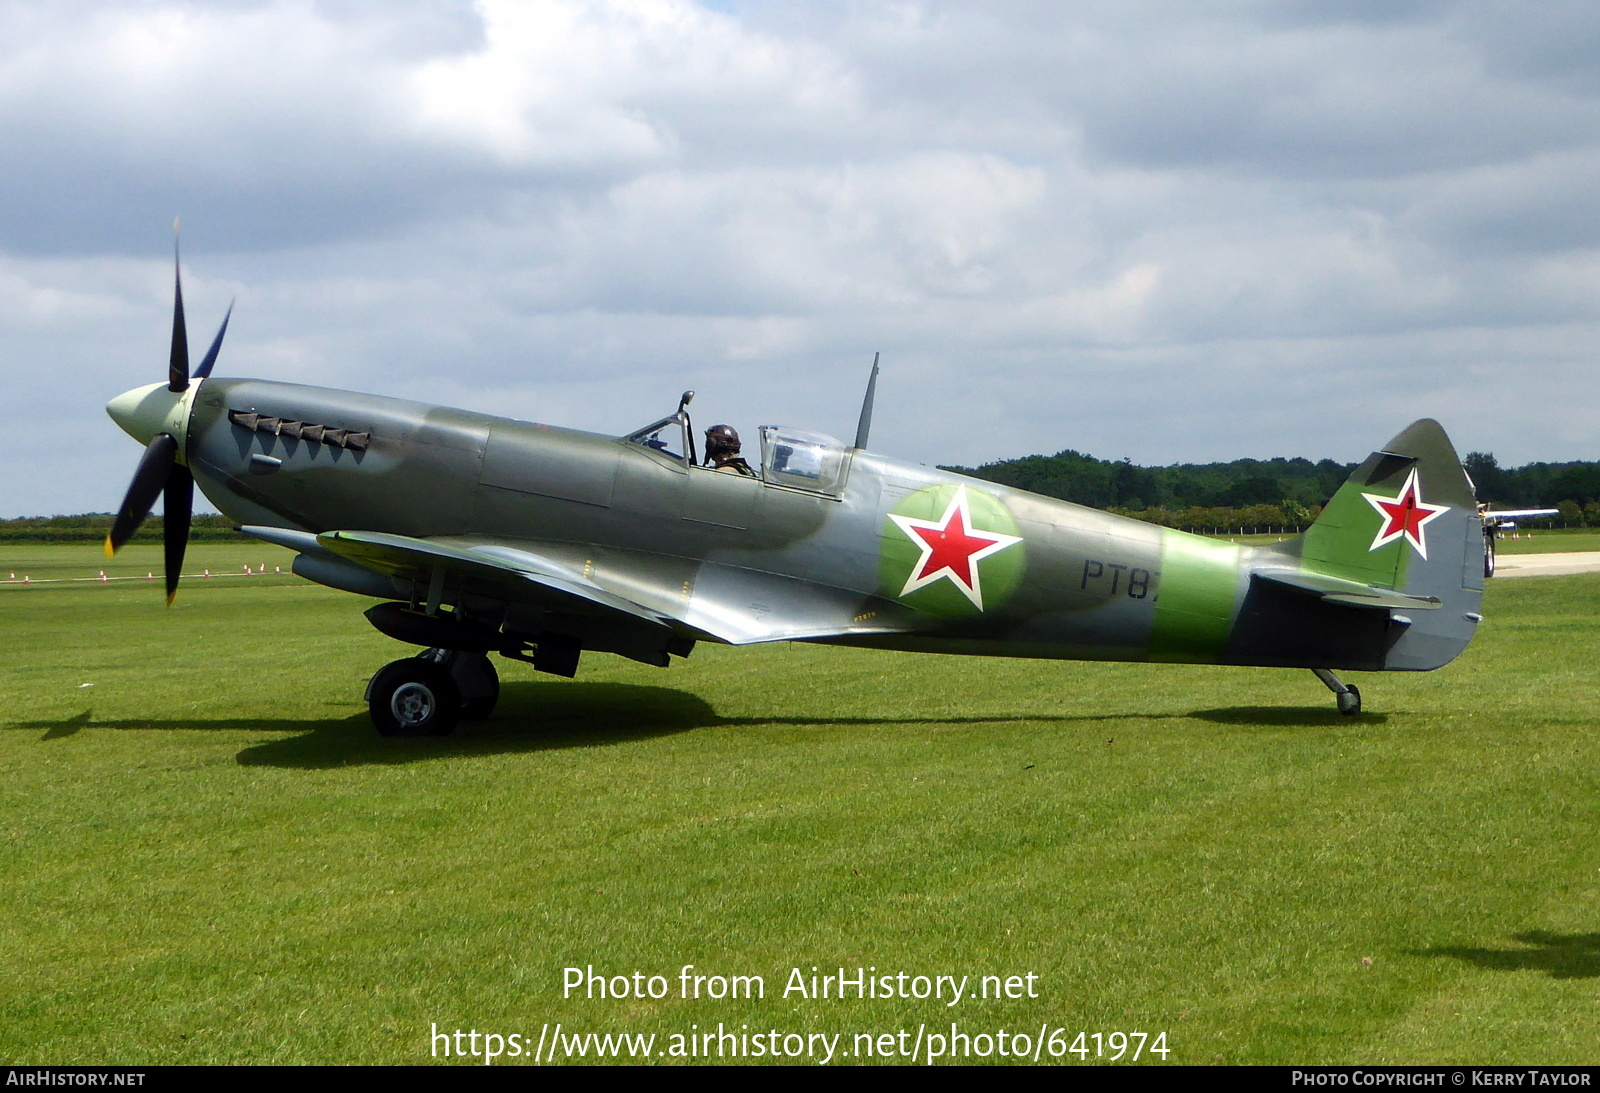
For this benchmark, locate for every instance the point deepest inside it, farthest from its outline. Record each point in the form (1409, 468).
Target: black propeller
(178, 366)
(159, 470)
(155, 469)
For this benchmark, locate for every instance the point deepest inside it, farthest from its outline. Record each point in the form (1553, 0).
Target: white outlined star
(1404, 516)
(951, 548)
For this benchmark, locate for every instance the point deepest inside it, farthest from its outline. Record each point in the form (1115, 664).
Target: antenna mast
(865, 423)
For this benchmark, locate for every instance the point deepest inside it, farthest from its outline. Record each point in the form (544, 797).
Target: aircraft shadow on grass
(529, 717)
(536, 716)
(1286, 717)
(1561, 956)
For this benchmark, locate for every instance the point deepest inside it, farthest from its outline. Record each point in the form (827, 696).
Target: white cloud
(1162, 230)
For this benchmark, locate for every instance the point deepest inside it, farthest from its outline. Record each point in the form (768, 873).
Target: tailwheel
(414, 697)
(1347, 697)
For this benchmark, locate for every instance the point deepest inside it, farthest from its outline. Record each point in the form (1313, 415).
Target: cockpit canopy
(801, 460)
(789, 457)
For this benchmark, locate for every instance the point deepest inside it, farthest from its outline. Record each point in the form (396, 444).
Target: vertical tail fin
(1407, 518)
(1407, 521)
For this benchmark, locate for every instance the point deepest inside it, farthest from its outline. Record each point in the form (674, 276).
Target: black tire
(1350, 702)
(473, 672)
(414, 697)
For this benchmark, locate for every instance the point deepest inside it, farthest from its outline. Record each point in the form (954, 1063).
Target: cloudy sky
(1180, 230)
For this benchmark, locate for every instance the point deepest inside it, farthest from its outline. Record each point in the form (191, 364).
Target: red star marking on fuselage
(951, 548)
(1405, 516)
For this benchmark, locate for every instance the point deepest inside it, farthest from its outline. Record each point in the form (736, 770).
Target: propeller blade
(177, 504)
(178, 369)
(155, 469)
(211, 354)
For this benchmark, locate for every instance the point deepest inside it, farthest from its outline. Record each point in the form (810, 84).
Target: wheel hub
(412, 704)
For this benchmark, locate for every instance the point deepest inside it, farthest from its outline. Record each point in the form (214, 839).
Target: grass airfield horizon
(1553, 541)
(211, 856)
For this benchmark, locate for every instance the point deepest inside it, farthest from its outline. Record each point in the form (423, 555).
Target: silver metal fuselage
(738, 559)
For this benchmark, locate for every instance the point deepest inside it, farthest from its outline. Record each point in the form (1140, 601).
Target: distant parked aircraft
(1503, 519)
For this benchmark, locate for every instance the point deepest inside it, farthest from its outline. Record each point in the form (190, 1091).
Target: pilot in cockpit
(722, 451)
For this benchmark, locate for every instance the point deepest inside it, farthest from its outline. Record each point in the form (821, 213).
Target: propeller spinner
(158, 415)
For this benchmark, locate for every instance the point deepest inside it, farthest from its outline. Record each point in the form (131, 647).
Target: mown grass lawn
(1555, 541)
(1561, 541)
(209, 856)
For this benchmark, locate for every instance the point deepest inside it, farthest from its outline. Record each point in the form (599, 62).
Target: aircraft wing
(486, 569)
(1349, 593)
(1514, 514)
(746, 607)
(722, 603)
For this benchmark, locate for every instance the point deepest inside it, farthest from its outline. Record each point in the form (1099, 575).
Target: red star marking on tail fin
(1405, 516)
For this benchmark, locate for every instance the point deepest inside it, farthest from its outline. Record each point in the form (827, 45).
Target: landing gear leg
(1349, 698)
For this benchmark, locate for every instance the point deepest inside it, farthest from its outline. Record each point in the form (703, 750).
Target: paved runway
(1547, 565)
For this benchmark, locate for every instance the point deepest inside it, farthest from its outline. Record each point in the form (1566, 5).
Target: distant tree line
(1574, 488)
(92, 527)
(1270, 493)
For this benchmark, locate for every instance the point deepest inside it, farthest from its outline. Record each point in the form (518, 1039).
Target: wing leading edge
(722, 603)
(488, 569)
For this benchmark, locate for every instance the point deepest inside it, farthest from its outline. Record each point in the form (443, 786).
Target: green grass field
(1549, 542)
(209, 856)
(1559, 541)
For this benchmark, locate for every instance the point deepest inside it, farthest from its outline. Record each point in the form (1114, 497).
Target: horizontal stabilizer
(1350, 593)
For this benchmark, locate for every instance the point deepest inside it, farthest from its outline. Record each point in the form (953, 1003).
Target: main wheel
(478, 683)
(1350, 702)
(413, 697)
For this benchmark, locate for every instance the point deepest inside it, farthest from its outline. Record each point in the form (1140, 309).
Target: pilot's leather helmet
(722, 440)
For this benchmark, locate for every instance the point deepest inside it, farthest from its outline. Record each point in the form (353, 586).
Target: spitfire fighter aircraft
(483, 534)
